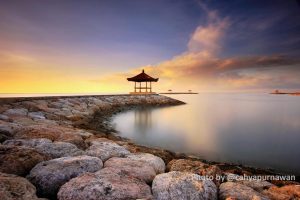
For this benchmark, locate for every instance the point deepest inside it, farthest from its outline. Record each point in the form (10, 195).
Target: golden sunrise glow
(47, 63)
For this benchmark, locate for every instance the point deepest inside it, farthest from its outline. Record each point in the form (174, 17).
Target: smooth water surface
(259, 130)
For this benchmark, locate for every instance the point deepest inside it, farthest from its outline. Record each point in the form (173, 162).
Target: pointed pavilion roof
(142, 77)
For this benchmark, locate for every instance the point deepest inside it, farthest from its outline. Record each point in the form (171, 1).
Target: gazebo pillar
(140, 86)
(134, 86)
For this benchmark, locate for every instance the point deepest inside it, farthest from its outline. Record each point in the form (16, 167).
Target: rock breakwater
(64, 148)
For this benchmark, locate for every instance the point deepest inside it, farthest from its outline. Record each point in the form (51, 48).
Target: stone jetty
(65, 148)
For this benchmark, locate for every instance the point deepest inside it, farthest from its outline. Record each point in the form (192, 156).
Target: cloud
(200, 67)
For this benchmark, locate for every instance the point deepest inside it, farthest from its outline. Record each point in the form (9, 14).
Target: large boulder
(183, 186)
(53, 133)
(135, 168)
(106, 149)
(61, 149)
(106, 184)
(196, 167)
(231, 190)
(13, 187)
(45, 146)
(156, 162)
(48, 176)
(19, 160)
(283, 193)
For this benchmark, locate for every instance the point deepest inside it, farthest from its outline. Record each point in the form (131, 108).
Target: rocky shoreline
(65, 148)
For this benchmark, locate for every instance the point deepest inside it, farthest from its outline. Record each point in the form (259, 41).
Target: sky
(73, 46)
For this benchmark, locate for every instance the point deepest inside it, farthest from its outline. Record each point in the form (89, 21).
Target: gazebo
(142, 77)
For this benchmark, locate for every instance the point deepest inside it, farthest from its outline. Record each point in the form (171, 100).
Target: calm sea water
(259, 130)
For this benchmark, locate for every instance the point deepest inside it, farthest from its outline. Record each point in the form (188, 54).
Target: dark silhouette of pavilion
(142, 77)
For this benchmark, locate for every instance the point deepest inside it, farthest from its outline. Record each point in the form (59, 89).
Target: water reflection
(143, 120)
(257, 130)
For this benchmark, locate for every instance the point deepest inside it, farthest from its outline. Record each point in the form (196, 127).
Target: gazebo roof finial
(143, 71)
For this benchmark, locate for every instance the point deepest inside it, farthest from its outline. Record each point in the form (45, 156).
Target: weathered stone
(183, 186)
(16, 112)
(45, 146)
(106, 150)
(258, 185)
(13, 187)
(6, 133)
(98, 140)
(36, 105)
(36, 132)
(36, 115)
(48, 176)
(167, 156)
(231, 190)
(4, 117)
(82, 133)
(23, 121)
(61, 149)
(28, 142)
(19, 160)
(281, 183)
(136, 168)
(156, 162)
(72, 138)
(106, 184)
(283, 193)
(54, 133)
(196, 167)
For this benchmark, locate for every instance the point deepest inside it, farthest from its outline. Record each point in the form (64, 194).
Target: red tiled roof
(142, 77)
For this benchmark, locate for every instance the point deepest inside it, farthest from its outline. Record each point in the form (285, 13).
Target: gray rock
(156, 162)
(16, 112)
(106, 184)
(13, 187)
(48, 176)
(60, 149)
(106, 149)
(28, 142)
(183, 185)
(36, 115)
(45, 146)
(135, 168)
(3, 117)
(239, 191)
